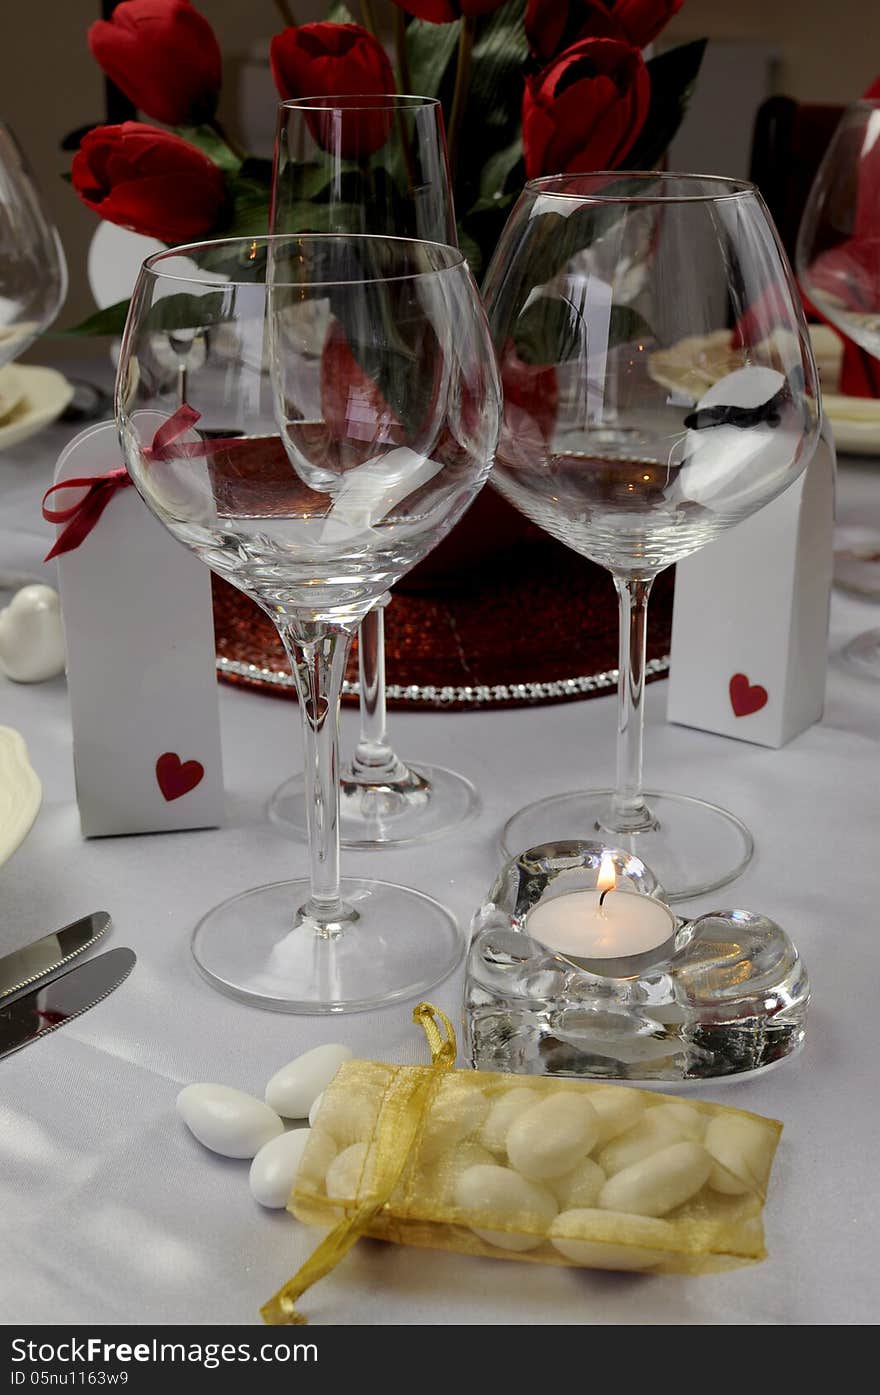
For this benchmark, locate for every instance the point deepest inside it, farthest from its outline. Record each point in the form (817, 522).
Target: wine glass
(33, 272)
(341, 412)
(370, 164)
(838, 264)
(594, 275)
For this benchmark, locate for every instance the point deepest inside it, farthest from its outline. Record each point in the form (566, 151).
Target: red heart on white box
(177, 777)
(746, 697)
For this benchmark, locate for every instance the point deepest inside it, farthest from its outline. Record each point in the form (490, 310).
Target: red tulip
(445, 11)
(336, 60)
(642, 20)
(150, 181)
(163, 55)
(585, 110)
(552, 25)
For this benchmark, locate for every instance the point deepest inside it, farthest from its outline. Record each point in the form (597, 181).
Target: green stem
(460, 95)
(286, 13)
(238, 150)
(369, 17)
(404, 76)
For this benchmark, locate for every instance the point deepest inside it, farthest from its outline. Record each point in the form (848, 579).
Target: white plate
(43, 395)
(20, 793)
(694, 364)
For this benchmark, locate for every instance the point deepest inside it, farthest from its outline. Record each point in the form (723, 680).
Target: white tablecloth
(112, 1212)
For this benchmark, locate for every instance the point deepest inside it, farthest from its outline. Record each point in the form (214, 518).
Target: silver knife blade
(52, 1004)
(24, 967)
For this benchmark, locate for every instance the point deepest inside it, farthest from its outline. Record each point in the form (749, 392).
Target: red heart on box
(177, 777)
(746, 697)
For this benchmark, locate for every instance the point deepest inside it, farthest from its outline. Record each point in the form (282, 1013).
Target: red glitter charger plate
(499, 615)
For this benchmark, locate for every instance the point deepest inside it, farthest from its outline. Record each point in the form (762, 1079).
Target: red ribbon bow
(82, 516)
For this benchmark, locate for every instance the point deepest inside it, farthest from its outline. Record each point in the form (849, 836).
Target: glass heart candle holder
(564, 981)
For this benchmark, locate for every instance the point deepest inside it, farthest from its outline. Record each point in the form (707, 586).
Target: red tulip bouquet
(528, 87)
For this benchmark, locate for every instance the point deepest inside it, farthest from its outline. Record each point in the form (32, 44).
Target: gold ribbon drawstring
(402, 1115)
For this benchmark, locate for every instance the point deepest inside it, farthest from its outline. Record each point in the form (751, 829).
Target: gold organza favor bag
(527, 1167)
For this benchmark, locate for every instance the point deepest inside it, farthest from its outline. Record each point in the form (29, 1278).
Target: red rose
(446, 11)
(163, 55)
(584, 111)
(336, 60)
(150, 181)
(552, 25)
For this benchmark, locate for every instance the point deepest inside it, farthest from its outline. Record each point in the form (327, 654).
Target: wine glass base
(399, 944)
(693, 847)
(862, 654)
(433, 803)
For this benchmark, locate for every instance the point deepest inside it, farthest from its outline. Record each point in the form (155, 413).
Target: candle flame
(607, 878)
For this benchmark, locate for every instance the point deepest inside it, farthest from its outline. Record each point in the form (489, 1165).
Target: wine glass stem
(374, 761)
(629, 812)
(317, 654)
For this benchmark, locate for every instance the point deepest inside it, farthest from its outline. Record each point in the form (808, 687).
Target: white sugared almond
(456, 1114)
(274, 1168)
(319, 1155)
(550, 1137)
(580, 1187)
(502, 1113)
(345, 1172)
(521, 1206)
(659, 1183)
(689, 1121)
(618, 1109)
(651, 1240)
(349, 1117)
(742, 1153)
(294, 1088)
(655, 1130)
(227, 1121)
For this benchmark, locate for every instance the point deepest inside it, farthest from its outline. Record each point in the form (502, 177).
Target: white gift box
(139, 635)
(750, 620)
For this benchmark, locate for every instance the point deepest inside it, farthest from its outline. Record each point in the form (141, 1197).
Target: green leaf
(187, 311)
(472, 250)
(494, 107)
(249, 216)
(498, 168)
(207, 140)
(110, 320)
(552, 330)
(673, 79)
(430, 48)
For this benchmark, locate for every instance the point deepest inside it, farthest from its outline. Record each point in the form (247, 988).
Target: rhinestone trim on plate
(444, 697)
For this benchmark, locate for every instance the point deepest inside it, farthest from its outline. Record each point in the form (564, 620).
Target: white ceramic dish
(20, 793)
(40, 395)
(693, 365)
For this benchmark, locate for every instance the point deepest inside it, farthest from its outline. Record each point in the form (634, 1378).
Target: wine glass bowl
(598, 281)
(33, 272)
(310, 416)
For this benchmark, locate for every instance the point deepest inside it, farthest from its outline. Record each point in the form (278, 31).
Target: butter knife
(25, 967)
(51, 1004)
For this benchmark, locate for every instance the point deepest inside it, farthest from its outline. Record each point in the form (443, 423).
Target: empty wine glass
(370, 164)
(341, 412)
(838, 264)
(593, 276)
(33, 272)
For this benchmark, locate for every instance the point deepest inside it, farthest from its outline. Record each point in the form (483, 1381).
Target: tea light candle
(604, 930)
